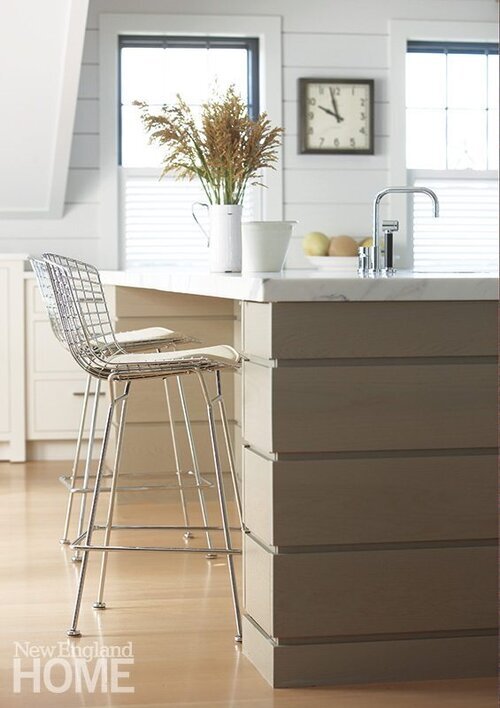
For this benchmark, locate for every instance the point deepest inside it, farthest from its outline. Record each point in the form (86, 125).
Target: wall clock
(336, 116)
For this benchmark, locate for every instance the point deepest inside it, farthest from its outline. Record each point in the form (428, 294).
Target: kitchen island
(368, 426)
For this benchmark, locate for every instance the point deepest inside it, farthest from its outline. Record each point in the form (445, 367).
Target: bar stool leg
(188, 533)
(76, 558)
(76, 460)
(196, 467)
(229, 447)
(99, 604)
(222, 504)
(73, 631)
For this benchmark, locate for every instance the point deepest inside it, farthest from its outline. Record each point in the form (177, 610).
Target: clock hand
(335, 115)
(327, 110)
(335, 108)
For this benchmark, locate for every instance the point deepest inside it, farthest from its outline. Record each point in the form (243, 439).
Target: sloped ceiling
(41, 47)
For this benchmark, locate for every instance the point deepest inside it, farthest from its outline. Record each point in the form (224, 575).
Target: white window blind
(465, 236)
(158, 226)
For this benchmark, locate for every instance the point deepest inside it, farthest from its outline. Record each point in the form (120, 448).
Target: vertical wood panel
(329, 330)
(257, 413)
(387, 407)
(261, 508)
(143, 302)
(369, 592)
(374, 500)
(364, 330)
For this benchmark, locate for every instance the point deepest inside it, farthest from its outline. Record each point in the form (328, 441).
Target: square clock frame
(336, 116)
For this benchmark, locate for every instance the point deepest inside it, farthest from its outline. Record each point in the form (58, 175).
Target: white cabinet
(55, 383)
(4, 355)
(41, 386)
(12, 375)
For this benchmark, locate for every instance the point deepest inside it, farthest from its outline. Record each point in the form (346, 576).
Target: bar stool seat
(149, 338)
(203, 357)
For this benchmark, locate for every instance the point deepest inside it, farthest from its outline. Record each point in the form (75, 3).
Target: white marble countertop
(311, 285)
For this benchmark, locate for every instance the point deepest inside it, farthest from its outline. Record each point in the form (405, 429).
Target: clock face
(336, 116)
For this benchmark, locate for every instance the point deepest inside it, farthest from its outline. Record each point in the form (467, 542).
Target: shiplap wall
(343, 38)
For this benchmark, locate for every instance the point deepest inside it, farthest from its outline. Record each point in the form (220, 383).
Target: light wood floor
(174, 608)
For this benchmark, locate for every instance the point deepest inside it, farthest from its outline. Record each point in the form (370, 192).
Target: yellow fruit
(343, 246)
(315, 244)
(367, 242)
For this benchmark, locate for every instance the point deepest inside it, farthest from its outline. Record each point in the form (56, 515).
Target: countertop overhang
(310, 285)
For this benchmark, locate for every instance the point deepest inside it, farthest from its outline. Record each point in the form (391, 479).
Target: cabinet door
(12, 371)
(55, 381)
(5, 275)
(55, 408)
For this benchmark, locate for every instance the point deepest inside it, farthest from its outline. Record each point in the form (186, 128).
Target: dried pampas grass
(225, 149)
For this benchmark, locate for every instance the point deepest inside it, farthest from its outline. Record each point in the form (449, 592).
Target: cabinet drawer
(55, 408)
(48, 355)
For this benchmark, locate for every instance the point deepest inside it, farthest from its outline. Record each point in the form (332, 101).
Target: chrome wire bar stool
(147, 339)
(88, 332)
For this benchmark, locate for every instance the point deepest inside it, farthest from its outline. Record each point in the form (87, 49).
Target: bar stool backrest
(89, 333)
(83, 313)
(46, 291)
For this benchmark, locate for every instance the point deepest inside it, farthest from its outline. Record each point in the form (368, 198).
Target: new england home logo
(64, 666)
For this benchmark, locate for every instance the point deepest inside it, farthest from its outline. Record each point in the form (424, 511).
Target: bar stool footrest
(170, 549)
(172, 486)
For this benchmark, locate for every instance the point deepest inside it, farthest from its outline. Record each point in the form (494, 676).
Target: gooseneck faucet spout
(374, 264)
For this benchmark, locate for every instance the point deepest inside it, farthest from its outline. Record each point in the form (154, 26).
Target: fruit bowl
(339, 264)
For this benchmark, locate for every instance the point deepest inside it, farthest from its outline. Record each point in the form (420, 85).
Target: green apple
(315, 244)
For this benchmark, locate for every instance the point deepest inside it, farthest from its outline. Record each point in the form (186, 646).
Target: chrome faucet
(373, 261)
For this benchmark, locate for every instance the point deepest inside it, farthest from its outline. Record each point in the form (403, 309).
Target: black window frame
(433, 47)
(251, 44)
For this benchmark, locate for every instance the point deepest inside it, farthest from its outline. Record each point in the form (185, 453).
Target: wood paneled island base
(369, 490)
(368, 415)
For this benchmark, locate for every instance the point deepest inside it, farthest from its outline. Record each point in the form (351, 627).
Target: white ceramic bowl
(265, 245)
(339, 264)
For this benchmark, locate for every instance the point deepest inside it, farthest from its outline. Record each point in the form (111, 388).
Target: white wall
(40, 55)
(342, 38)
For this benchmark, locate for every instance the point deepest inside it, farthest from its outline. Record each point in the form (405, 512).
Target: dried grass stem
(226, 151)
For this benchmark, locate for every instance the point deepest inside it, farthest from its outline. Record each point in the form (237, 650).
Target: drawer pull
(91, 393)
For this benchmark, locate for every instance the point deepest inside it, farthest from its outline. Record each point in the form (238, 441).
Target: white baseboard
(54, 450)
(4, 450)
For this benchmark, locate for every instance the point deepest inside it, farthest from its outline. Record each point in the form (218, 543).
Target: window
(112, 27)
(452, 147)
(157, 225)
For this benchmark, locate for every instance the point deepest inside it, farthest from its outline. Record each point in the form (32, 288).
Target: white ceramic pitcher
(224, 237)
